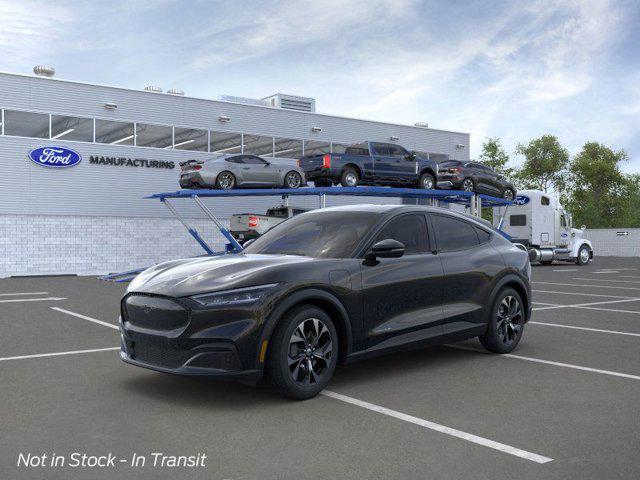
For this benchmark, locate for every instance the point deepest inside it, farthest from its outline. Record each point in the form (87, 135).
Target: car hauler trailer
(539, 222)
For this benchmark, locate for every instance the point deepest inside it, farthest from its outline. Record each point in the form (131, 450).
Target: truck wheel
(349, 178)
(303, 352)
(468, 185)
(225, 181)
(583, 255)
(427, 182)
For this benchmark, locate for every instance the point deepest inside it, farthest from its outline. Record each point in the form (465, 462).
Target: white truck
(248, 226)
(540, 223)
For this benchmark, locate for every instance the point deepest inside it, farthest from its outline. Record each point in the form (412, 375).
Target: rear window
(518, 220)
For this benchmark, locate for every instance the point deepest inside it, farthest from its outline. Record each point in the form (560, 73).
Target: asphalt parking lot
(563, 405)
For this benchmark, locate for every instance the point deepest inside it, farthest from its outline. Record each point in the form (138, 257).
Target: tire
(292, 378)
(508, 194)
(225, 180)
(506, 322)
(584, 255)
(292, 180)
(349, 177)
(322, 182)
(427, 182)
(468, 185)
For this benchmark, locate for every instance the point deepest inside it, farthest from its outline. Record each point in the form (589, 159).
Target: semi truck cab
(540, 222)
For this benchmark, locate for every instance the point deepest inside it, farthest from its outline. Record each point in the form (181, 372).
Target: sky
(514, 70)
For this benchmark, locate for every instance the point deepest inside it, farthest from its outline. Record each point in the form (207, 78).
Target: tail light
(197, 167)
(326, 161)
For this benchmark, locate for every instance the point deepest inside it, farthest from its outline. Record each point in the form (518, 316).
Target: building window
(338, 147)
(287, 148)
(224, 142)
(157, 136)
(258, 145)
(190, 139)
(71, 128)
(312, 147)
(26, 124)
(114, 133)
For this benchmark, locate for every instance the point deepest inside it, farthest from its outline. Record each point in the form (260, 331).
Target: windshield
(319, 234)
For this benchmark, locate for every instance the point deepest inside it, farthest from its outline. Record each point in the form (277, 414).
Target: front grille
(154, 312)
(159, 356)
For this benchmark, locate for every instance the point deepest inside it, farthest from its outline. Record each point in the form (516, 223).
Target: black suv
(474, 177)
(332, 285)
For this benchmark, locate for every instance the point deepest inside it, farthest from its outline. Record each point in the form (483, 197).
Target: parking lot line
(604, 280)
(23, 293)
(550, 362)
(581, 294)
(56, 354)
(84, 317)
(592, 286)
(15, 300)
(440, 428)
(566, 269)
(580, 305)
(610, 310)
(599, 330)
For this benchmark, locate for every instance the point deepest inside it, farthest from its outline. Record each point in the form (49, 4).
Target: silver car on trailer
(241, 170)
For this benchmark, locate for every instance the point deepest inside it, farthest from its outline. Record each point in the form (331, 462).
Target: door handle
(246, 168)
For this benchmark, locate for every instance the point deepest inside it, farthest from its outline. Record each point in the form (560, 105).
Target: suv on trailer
(474, 177)
(371, 163)
(332, 285)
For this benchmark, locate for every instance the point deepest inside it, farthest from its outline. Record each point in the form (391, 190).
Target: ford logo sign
(56, 157)
(521, 200)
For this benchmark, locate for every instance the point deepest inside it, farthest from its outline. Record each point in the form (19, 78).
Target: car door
(257, 171)
(493, 180)
(470, 264)
(382, 162)
(404, 165)
(402, 297)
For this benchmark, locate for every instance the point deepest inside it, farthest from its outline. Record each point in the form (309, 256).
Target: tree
(599, 192)
(494, 155)
(545, 165)
(631, 215)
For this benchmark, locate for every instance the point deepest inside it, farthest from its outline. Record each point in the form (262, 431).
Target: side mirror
(388, 248)
(410, 156)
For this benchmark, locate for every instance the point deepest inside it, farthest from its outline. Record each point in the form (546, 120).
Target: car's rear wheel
(349, 177)
(427, 182)
(468, 185)
(225, 181)
(506, 322)
(303, 352)
(508, 194)
(292, 180)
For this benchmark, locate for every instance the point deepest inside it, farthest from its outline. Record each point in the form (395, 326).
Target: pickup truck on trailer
(247, 226)
(371, 163)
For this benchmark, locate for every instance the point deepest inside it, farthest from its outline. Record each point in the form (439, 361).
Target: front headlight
(240, 296)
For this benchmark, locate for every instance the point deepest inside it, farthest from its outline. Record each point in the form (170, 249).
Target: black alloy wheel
(468, 185)
(303, 352)
(292, 180)
(225, 181)
(506, 323)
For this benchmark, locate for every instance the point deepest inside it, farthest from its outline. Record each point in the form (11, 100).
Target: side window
(238, 159)
(397, 151)
(544, 200)
(453, 233)
(253, 160)
(483, 235)
(563, 221)
(381, 149)
(411, 230)
(518, 220)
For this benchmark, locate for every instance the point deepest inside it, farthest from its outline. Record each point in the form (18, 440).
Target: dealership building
(92, 217)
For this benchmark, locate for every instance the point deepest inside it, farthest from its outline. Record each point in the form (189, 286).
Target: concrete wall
(612, 242)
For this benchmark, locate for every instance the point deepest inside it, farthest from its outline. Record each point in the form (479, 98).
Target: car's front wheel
(292, 180)
(506, 322)
(584, 255)
(303, 352)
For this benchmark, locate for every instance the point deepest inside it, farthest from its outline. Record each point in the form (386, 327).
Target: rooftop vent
(175, 91)
(422, 124)
(292, 102)
(44, 71)
(152, 88)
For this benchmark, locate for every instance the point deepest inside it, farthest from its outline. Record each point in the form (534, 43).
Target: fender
(578, 244)
(298, 297)
(513, 277)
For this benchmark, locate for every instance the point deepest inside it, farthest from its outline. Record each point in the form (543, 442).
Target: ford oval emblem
(56, 157)
(521, 200)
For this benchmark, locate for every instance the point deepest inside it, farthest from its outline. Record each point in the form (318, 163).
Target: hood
(190, 276)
